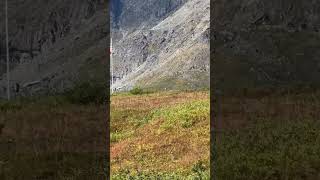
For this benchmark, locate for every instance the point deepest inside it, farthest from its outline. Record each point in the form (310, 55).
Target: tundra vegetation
(267, 133)
(54, 137)
(160, 135)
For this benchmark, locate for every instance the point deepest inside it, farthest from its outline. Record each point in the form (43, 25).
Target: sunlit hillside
(164, 135)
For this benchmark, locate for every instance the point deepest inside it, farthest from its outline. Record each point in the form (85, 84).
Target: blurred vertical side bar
(266, 68)
(213, 96)
(56, 124)
(108, 89)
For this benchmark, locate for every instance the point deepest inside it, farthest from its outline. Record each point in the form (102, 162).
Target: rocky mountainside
(266, 42)
(53, 44)
(170, 52)
(136, 14)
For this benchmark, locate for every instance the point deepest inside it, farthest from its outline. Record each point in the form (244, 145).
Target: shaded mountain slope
(54, 44)
(266, 43)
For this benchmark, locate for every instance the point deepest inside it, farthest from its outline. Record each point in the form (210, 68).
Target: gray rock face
(170, 54)
(286, 13)
(132, 14)
(266, 42)
(51, 41)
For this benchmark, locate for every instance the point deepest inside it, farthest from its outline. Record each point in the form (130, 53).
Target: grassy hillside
(51, 138)
(160, 135)
(268, 135)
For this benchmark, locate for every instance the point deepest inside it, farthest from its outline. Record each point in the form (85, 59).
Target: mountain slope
(266, 43)
(134, 14)
(173, 54)
(54, 44)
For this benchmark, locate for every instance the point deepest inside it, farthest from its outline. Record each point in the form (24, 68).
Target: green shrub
(200, 171)
(136, 91)
(118, 136)
(86, 93)
(6, 105)
(184, 115)
(19, 102)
